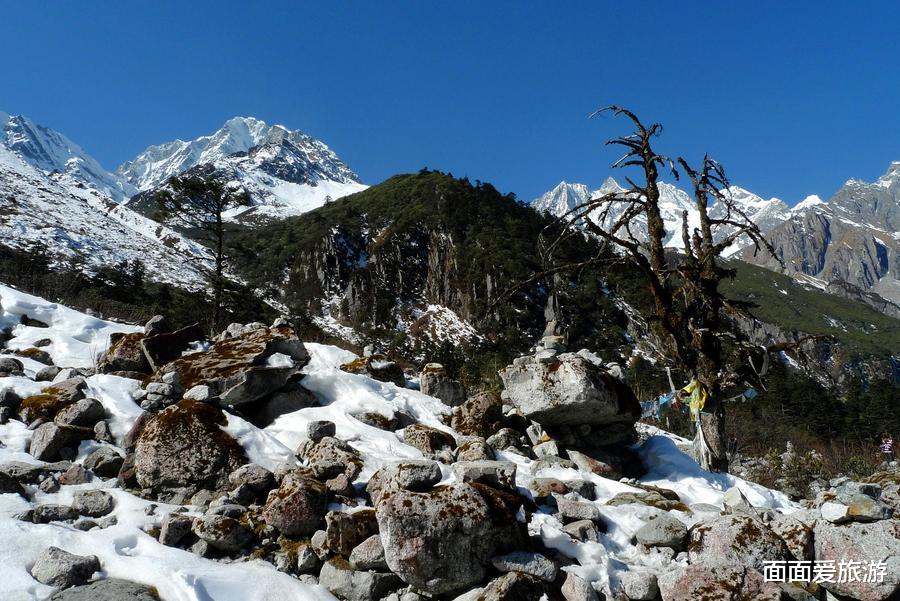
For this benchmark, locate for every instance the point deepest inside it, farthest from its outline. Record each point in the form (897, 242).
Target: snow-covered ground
(127, 551)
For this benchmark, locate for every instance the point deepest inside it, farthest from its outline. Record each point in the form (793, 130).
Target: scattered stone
(93, 503)
(50, 440)
(369, 555)
(499, 474)
(102, 432)
(222, 533)
(55, 567)
(174, 527)
(734, 501)
(8, 484)
(339, 577)
(317, 430)
(8, 366)
(297, 507)
(533, 564)
(52, 399)
(573, 511)
(663, 530)
(36, 354)
(329, 457)
(341, 486)
(46, 374)
(474, 448)
(585, 531)
(639, 586)
(480, 415)
(575, 588)
(111, 589)
(345, 531)
(86, 413)
(514, 586)
(695, 582)
(428, 440)
(50, 512)
(124, 354)
(105, 462)
(158, 324)
(434, 381)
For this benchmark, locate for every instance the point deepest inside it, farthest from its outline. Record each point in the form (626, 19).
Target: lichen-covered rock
(222, 533)
(297, 507)
(329, 457)
(514, 586)
(174, 527)
(499, 474)
(414, 475)
(345, 531)
(735, 540)
(570, 390)
(864, 543)
(533, 564)
(124, 354)
(235, 368)
(427, 439)
(369, 555)
(434, 381)
(442, 541)
(161, 347)
(717, 583)
(480, 415)
(474, 448)
(48, 403)
(796, 530)
(185, 446)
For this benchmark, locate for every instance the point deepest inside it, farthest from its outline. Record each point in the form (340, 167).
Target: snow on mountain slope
(285, 172)
(673, 202)
(127, 550)
(79, 221)
(51, 152)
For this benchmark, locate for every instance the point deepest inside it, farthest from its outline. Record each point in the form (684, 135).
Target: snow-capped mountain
(285, 172)
(673, 202)
(54, 154)
(71, 218)
(854, 238)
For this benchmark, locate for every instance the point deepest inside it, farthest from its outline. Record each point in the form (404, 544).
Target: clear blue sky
(793, 97)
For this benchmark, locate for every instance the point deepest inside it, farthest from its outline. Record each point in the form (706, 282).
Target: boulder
(514, 586)
(583, 530)
(378, 367)
(8, 484)
(663, 530)
(339, 577)
(480, 415)
(442, 541)
(866, 544)
(717, 583)
(796, 532)
(428, 440)
(434, 381)
(9, 366)
(474, 448)
(413, 475)
(329, 457)
(573, 511)
(51, 512)
(533, 564)
(55, 567)
(639, 586)
(158, 324)
(50, 441)
(369, 555)
(85, 413)
(345, 531)
(575, 588)
(52, 399)
(258, 478)
(93, 503)
(499, 474)
(36, 354)
(124, 354)
(570, 390)
(317, 430)
(236, 369)
(174, 527)
(185, 446)
(222, 533)
(111, 589)
(291, 397)
(162, 347)
(105, 462)
(735, 540)
(297, 507)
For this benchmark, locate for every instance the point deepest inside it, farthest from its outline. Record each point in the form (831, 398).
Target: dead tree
(689, 310)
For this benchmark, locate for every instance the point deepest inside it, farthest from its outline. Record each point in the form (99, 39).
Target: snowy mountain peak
(238, 135)
(53, 153)
(813, 200)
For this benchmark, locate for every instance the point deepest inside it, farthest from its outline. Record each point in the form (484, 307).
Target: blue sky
(793, 97)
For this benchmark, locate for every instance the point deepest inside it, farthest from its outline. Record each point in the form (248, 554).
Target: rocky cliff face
(853, 239)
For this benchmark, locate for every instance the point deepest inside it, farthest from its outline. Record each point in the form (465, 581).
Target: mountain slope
(73, 221)
(285, 172)
(51, 152)
(854, 238)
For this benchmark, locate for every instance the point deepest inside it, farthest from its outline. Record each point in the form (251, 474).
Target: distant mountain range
(849, 245)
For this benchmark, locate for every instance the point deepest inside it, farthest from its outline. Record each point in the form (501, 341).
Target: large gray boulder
(124, 354)
(719, 583)
(443, 540)
(185, 446)
(50, 441)
(664, 530)
(329, 457)
(55, 567)
(864, 543)
(735, 540)
(108, 590)
(297, 507)
(339, 577)
(568, 391)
